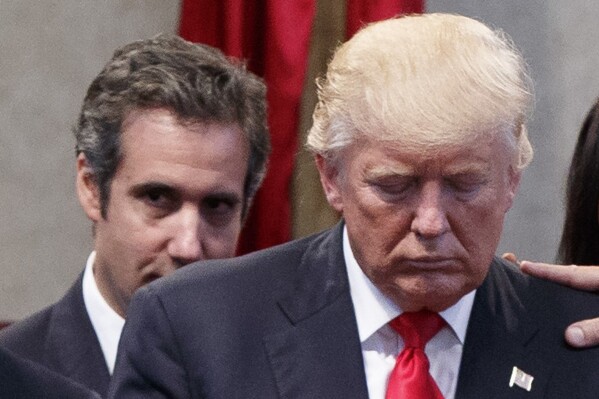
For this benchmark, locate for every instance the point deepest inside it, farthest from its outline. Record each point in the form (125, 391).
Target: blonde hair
(424, 81)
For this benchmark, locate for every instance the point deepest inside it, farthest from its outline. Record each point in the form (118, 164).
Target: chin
(432, 295)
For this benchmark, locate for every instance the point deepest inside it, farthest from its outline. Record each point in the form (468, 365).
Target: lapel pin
(521, 379)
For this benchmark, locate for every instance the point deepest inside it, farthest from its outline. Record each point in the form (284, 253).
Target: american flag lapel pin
(520, 379)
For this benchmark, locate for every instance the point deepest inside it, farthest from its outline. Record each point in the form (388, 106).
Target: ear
(329, 178)
(87, 189)
(513, 185)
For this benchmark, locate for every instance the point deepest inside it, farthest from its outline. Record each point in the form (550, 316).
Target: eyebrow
(470, 168)
(382, 171)
(225, 195)
(144, 187)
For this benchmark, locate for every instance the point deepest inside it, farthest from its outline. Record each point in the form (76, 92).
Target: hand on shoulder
(584, 333)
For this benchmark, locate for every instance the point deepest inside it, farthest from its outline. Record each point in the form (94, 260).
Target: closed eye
(466, 184)
(390, 188)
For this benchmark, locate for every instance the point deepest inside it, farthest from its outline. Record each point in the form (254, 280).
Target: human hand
(584, 333)
(510, 257)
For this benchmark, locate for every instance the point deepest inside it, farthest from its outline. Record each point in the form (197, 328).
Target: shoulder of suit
(271, 260)
(270, 270)
(22, 378)
(27, 334)
(28, 331)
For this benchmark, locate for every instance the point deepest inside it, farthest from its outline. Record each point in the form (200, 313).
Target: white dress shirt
(107, 323)
(381, 344)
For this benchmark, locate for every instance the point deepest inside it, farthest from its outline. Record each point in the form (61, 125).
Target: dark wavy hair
(197, 83)
(580, 237)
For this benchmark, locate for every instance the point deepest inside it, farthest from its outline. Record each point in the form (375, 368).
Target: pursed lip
(431, 263)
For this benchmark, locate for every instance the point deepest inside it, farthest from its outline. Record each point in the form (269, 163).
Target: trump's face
(423, 224)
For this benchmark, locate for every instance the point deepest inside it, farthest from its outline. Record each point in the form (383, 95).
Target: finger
(510, 257)
(579, 277)
(583, 334)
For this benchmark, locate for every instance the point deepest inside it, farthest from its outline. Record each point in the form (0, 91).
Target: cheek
(375, 247)
(378, 230)
(480, 238)
(221, 243)
(366, 209)
(483, 218)
(138, 238)
(135, 245)
(479, 235)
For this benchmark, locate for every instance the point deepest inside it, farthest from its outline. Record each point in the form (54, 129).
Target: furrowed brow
(144, 187)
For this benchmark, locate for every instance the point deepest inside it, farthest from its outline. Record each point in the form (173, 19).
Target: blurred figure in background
(580, 237)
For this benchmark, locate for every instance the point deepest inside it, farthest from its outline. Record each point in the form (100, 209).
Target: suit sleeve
(149, 362)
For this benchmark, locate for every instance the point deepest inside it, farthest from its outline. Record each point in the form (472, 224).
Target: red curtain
(273, 36)
(360, 12)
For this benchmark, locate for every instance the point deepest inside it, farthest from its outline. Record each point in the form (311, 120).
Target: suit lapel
(72, 343)
(319, 354)
(502, 335)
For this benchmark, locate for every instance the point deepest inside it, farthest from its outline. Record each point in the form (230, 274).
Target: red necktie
(410, 378)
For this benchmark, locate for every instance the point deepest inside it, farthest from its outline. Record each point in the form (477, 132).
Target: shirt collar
(107, 323)
(374, 310)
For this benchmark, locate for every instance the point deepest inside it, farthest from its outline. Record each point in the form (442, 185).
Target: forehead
(155, 145)
(378, 158)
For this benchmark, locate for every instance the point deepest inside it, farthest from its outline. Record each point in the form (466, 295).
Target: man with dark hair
(172, 145)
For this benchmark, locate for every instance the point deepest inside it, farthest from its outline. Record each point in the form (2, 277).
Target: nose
(430, 218)
(185, 245)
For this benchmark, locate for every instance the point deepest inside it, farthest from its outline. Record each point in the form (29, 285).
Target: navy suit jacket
(280, 323)
(62, 338)
(21, 378)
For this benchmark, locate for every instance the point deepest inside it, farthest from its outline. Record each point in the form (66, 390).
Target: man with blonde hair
(420, 140)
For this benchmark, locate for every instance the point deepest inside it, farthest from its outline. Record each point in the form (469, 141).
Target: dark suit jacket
(21, 378)
(280, 323)
(62, 338)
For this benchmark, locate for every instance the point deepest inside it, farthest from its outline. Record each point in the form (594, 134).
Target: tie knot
(417, 328)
